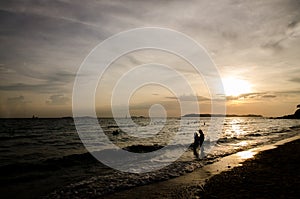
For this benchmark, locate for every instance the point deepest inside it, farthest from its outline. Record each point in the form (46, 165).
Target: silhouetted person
(196, 144)
(198, 141)
(201, 138)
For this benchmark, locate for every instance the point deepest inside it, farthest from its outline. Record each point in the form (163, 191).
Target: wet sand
(264, 172)
(272, 174)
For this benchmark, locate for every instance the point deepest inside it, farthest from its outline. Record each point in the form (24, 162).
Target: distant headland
(220, 115)
(296, 115)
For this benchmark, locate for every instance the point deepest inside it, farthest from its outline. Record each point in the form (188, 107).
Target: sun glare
(235, 87)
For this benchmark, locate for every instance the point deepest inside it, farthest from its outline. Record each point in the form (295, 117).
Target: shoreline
(273, 173)
(78, 176)
(199, 182)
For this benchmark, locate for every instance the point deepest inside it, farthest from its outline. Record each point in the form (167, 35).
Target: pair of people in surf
(198, 141)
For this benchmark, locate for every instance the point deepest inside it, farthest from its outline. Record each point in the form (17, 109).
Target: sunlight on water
(242, 143)
(235, 128)
(46, 142)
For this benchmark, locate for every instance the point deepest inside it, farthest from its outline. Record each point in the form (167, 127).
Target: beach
(273, 173)
(149, 99)
(45, 158)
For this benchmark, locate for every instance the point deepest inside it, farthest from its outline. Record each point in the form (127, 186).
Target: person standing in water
(201, 140)
(196, 144)
(198, 141)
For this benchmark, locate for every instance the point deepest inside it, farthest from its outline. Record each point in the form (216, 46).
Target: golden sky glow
(254, 44)
(236, 87)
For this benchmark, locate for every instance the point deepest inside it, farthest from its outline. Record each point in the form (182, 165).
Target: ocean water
(48, 156)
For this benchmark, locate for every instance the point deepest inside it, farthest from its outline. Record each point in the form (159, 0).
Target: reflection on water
(36, 145)
(236, 129)
(242, 143)
(246, 154)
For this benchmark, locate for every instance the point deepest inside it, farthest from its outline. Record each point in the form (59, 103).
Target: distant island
(296, 115)
(134, 117)
(220, 115)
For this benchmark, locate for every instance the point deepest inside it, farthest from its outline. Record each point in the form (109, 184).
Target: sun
(235, 87)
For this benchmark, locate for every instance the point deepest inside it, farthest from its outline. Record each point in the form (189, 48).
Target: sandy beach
(64, 169)
(149, 99)
(271, 173)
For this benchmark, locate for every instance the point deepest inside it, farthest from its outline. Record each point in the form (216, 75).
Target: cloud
(294, 28)
(289, 92)
(44, 42)
(295, 79)
(38, 88)
(20, 100)
(228, 98)
(251, 96)
(274, 44)
(38, 81)
(57, 100)
(5, 70)
(190, 98)
(261, 95)
(291, 32)
(268, 96)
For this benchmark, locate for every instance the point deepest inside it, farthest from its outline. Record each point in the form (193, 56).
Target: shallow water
(30, 148)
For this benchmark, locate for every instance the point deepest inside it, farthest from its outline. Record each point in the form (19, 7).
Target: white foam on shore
(228, 162)
(199, 176)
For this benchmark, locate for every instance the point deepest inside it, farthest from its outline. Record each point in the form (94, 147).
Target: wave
(282, 131)
(73, 159)
(10, 137)
(295, 127)
(227, 140)
(254, 135)
(48, 164)
(122, 181)
(143, 148)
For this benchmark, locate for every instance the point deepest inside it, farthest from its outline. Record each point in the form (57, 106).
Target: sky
(254, 44)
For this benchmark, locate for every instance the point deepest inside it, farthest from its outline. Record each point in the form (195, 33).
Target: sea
(48, 158)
